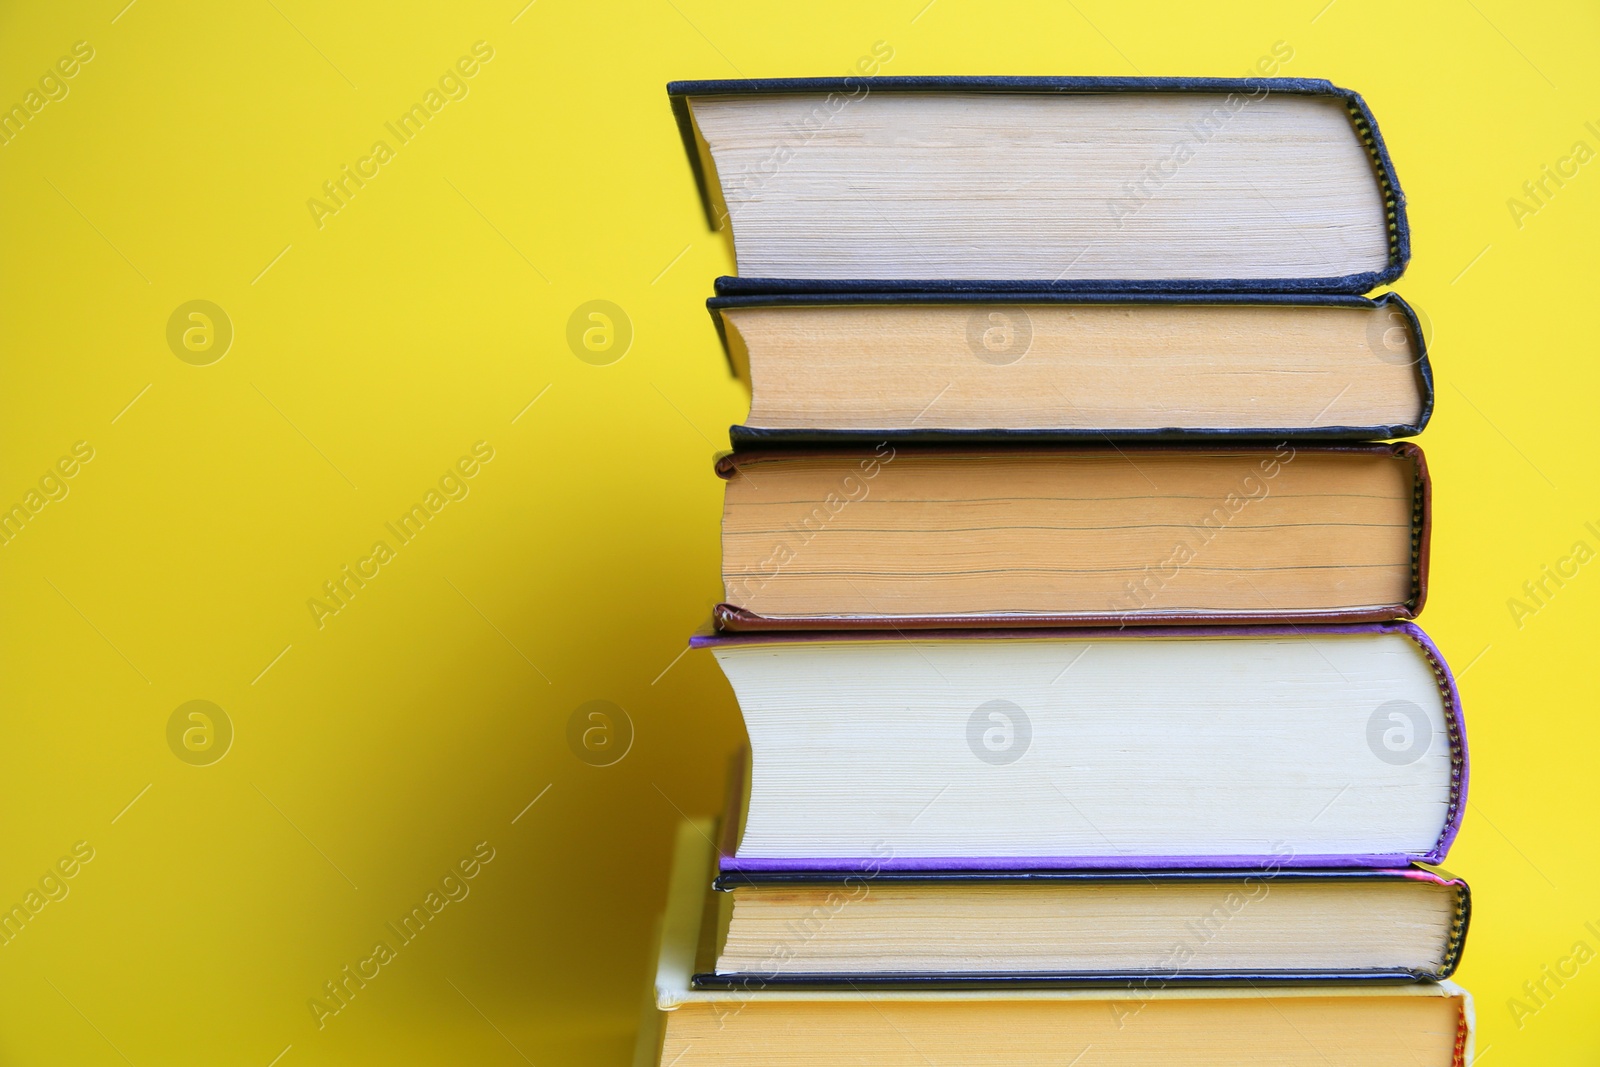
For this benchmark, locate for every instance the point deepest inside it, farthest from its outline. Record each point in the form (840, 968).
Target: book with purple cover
(1135, 749)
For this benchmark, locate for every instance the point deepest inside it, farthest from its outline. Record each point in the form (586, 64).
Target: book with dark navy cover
(748, 437)
(706, 977)
(1366, 128)
(688, 949)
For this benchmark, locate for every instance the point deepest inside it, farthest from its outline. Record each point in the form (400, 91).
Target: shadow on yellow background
(357, 351)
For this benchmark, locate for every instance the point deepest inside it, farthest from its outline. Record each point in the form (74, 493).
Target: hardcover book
(907, 538)
(996, 367)
(1300, 1025)
(1011, 750)
(971, 929)
(1093, 184)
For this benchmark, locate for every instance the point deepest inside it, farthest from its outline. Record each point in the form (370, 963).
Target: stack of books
(1069, 565)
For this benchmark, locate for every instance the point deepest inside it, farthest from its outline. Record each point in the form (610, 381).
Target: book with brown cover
(905, 538)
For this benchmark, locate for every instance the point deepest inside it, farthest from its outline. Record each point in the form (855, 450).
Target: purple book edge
(866, 864)
(867, 867)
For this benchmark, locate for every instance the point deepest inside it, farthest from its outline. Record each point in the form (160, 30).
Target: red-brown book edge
(733, 618)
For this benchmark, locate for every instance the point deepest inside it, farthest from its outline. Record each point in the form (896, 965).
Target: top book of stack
(1030, 185)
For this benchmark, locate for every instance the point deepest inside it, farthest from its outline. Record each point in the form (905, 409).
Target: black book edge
(752, 982)
(707, 978)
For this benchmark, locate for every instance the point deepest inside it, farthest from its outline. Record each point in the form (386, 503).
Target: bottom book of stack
(1329, 968)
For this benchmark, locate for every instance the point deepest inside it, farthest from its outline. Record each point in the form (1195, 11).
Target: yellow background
(424, 316)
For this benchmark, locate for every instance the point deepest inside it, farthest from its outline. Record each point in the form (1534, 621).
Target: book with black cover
(991, 367)
(1096, 928)
(1293, 1024)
